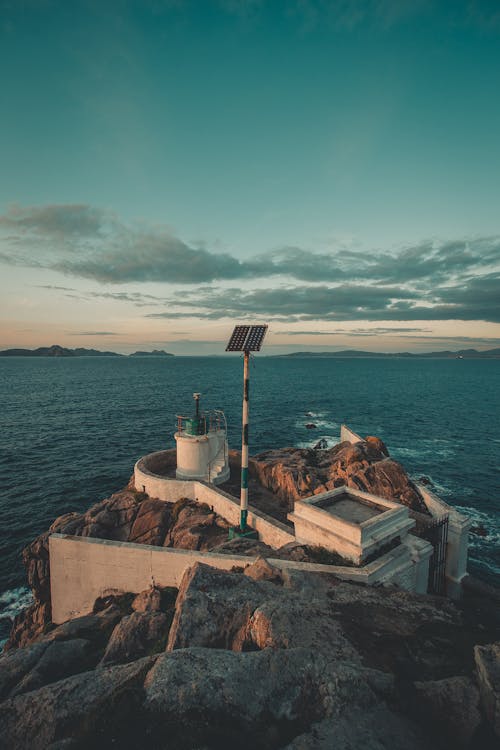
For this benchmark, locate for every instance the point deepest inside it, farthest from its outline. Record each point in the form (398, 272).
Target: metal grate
(435, 531)
(246, 338)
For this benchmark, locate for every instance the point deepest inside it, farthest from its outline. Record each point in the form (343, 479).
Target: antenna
(245, 339)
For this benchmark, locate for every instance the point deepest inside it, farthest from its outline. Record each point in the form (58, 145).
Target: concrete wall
(270, 530)
(354, 541)
(458, 529)
(197, 453)
(348, 435)
(82, 569)
(458, 539)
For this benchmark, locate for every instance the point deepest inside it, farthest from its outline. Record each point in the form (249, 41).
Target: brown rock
(294, 473)
(242, 546)
(151, 523)
(148, 601)
(29, 625)
(377, 444)
(262, 570)
(217, 609)
(16, 664)
(196, 527)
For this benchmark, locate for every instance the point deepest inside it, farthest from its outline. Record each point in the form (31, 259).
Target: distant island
(61, 351)
(355, 354)
(154, 353)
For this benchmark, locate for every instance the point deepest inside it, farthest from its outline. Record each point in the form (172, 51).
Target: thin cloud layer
(477, 299)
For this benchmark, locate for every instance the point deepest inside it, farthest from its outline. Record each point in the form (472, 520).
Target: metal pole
(244, 445)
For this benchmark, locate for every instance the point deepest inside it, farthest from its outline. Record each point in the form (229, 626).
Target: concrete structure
(458, 529)
(271, 531)
(83, 569)
(202, 450)
(458, 540)
(352, 523)
(370, 531)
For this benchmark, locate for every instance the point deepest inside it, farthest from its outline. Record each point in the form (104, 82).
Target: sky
(169, 168)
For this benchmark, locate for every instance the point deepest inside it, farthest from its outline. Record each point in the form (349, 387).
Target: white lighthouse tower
(202, 450)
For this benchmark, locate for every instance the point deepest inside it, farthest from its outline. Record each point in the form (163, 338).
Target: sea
(71, 430)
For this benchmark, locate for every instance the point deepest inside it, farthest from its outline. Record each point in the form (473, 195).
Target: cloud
(431, 280)
(476, 299)
(84, 242)
(355, 332)
(94, 333)
(56, 221)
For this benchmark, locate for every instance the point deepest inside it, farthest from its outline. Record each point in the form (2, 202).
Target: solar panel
(246, 338)
(237, 339)
(255, 338)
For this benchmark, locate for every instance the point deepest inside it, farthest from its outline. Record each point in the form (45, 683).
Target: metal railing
(211, 421)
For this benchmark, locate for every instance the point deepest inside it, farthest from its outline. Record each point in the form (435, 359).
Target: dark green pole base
(235, 532)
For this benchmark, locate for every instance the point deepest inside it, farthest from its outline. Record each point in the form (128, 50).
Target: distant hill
(354, 353)
(154, 353)
(61, 351)
(56, 351)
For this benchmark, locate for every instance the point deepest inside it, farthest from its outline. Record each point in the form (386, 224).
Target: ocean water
(72, 429)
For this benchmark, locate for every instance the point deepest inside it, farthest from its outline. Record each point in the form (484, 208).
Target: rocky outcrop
(126, 516)
(252, 659)
(88, 709)
(279, 478)
(487, 660)
(293, 473)
(196, 526)
(136, 635)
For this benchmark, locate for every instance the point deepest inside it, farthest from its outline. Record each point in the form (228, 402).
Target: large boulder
(453, 705)
(219, 609)
(59, 659)
(91, 709)
(294, 473)
(218, 699)
(112, 518)
(195, 526)
(15, 664)
(151, 523)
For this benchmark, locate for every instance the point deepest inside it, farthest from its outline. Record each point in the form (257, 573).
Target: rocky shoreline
(254, 657)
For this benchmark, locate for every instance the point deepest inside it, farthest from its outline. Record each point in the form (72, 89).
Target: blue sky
(169, 167)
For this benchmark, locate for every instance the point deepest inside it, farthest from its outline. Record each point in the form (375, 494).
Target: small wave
(491, 524)
(331, 441)
(12, 602)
